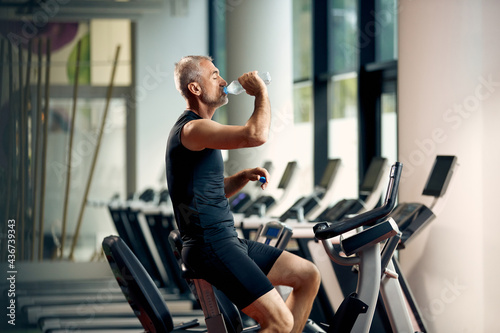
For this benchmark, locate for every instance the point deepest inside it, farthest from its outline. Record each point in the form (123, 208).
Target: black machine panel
(330, 173)
(304, 205)
(373, 175)
(239, 201)
(341, 209)
(412, 217)
(287, 175)
(260, 206)
(440, 176)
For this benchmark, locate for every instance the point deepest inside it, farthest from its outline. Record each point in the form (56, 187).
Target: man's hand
(252, 83)
(236, 182)
(255, 174)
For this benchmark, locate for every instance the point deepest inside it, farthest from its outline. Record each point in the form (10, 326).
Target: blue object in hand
(262, 180)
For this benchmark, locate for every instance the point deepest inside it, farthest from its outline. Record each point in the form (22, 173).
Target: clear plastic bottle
(235, 87)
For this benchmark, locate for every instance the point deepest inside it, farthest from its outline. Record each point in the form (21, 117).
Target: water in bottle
(235, 87)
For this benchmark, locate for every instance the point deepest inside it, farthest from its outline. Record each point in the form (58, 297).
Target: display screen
(287, 175)
(238, 198)
(373, 175)
(272, 232)
(438, 180)
(329, 174)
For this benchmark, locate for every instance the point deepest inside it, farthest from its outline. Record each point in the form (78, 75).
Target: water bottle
(235, 87)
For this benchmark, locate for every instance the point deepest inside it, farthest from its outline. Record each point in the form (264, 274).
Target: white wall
(162, 39)
(491, 161)
(449, 83)
(265, 44)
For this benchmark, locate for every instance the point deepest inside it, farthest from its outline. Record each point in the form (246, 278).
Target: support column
(259, 37)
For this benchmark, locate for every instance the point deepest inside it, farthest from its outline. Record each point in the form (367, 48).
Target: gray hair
(188, 70)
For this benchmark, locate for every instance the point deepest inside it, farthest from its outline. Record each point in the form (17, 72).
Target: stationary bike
(376, 271)
(355, 313)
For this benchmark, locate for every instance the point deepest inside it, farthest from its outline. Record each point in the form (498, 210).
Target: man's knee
(271, 312)
(308, 275)
(287, 322)
(296, 272)
(314, 274)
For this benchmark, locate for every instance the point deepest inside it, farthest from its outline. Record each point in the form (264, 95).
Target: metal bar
(70, 148)
(21, 210)
(10, 133)
(2, 50)
(12, 146)
(44, 150)
(60, 91)
(28, 113)
(130, 138)
(96, 152)
(37, 145)
(7, 168)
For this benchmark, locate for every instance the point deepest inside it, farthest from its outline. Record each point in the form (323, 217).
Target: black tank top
(196, 186)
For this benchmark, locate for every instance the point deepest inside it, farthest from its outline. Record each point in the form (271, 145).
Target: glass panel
(344, 43)
(218, 45)
(105, 36)
(302, 102)
(389, 126)
(99, 39)
(302, 61)
(108, 178)
(343, 131)
(345, 96)
(303, 88)
(21, 155)
(385, 21)
(302, 40)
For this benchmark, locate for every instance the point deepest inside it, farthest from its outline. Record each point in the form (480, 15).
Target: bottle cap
(225, 90)
(262, 180)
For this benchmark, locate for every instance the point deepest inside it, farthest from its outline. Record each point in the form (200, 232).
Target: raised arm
(205, 133)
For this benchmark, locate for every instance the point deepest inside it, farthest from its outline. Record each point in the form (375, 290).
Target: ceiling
(57, 10)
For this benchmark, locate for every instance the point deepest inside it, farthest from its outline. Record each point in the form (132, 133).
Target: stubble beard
(214, 102)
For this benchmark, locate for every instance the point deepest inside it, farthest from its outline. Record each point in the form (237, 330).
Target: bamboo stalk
(44, 150)
(28, 114)
(96, 152)
(2, 50)
(37, 145)
(7, 169)
(21, 209)
(12, 146)
(10, 133)
(71, 131)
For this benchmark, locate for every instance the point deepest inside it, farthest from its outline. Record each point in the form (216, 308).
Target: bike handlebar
(324, 231)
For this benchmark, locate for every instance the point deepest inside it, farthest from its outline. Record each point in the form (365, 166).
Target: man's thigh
(289, 269)
(227, 265)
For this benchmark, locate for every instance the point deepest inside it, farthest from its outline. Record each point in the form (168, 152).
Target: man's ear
(194, 88)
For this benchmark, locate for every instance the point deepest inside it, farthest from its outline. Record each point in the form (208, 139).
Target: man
(245, 271)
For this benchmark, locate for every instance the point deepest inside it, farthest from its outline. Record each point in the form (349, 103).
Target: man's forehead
(209, 66)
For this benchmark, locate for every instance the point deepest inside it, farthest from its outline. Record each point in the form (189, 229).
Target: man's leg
(271, 312)
(304, 277)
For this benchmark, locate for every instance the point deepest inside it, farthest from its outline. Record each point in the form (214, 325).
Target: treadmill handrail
(323, 231)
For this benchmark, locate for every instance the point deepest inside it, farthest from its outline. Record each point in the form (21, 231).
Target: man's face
(212, 85)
